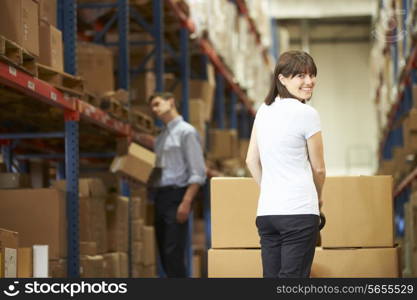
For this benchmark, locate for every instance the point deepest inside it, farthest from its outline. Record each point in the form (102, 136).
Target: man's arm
(196, 166)
(253, 160)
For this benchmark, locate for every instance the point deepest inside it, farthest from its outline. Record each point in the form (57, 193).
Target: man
(180, 159)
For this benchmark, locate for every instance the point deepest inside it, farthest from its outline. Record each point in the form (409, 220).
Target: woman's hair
(290, 64)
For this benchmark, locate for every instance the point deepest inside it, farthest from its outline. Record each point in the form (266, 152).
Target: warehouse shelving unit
(74, 112)
(403, 77)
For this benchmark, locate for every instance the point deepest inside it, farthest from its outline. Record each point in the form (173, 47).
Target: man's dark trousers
(171, 236)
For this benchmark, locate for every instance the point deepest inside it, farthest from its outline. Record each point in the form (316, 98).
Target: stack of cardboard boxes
(32, 25)
(234, 237)
(144, 250)
(358, 240)
(9, 243)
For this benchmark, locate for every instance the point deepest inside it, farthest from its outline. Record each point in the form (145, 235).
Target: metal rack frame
(76, 110)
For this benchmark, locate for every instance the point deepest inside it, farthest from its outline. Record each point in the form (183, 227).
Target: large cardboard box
(234, 263)
(39, 218)
(234, 202)
(95, 65)
(199, 89)
(138, 163)
(92, 266)
(142, 271)
(116, 265)
(47, 11)
(361, 262)
(88, 248)
(149, 246)
(14, 181)
(117, 223)
(9, 241)
(223, 143)
(137, 230)
(137, 208)
(142, 87)
(25, 262)
(92, 212)
(137, 252)
(359, 212)
(365, 262)
(19, 22)
(58, 268)
(51, 51)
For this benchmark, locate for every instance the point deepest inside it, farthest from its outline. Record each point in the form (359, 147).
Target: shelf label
(31, 85)
(12, 70)
(53, 96)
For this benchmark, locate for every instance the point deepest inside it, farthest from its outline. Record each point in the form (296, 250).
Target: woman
(285, 157)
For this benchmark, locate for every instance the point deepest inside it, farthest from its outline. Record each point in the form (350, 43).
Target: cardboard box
(9, 241)
(356, 263)
(19, 22)
(197, 111)
(91, 266)
(137, 226)
(88, 248)
(47, 11)
(137, 207)
(359, 212)
(51, 51)
(199, 89)
(40, 211)
(25, 262)
(223, 143)
(40, 261)
(234, 263)
(116, 265)
(14, 181)
(371, 262)
(95, 65)
(58, 268)
(142, 87)
(234, 202)
(117, 223)
(149, 246)
(141, 271)
(138, 163)
(196, 266)
(138, 253)
(92, 200)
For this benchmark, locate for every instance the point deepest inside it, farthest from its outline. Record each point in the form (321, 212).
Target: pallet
(143, 122)
(15, 55)
(64, 82)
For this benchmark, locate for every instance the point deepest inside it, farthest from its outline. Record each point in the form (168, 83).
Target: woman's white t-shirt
(282, 130)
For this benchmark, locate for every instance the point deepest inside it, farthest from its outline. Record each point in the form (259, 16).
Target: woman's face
(301, 85)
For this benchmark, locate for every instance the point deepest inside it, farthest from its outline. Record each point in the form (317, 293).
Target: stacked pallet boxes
(143, 235)
(359, 229)
(358, 239)
(51, 51)
(93, 228)
(9, 241)
(235, 241)
(19, 22)
(39, 217)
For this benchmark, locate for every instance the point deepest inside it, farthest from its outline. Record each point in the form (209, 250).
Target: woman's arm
(253, 160)
(316, 156)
